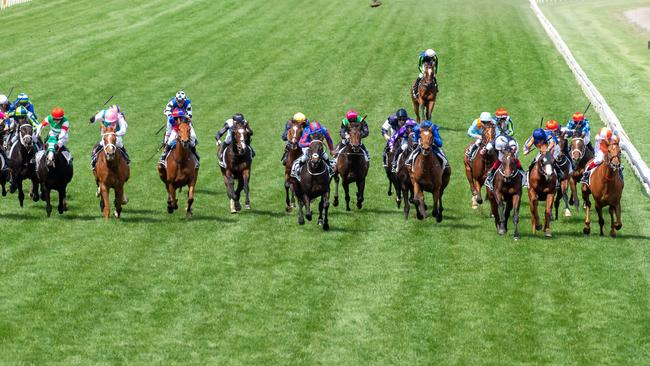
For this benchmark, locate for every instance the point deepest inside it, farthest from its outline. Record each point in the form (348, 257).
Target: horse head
(240, 134)
(545, 163)
(614, 154)
(109, 141)
(26, 133)
(508, 168)
(410, 140)
(294, 134)
(429, 73)
(184, 132)
(577, 148)
(355, 136)
(315, 153)
(426, 141)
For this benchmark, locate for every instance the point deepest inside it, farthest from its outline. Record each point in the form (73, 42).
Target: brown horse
(427, 174)
(542, 182)
(404, 184)
(427, 91)
(180, 169)
(506, 196)
(22, 162)
(476, 168)
(314, 182)
(564, 164)
(351, 166)
(238, 161)
(111, 171)
(293, 152)
(606, 186)
(580, 155)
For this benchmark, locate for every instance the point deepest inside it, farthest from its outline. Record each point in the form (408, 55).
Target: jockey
(352, 116)
(401, 139)
(579, 124)
(4, 103)
(14, 118)
(393, 123)
(22, 100)
(504, 122)
(182, 102)
(177, 116)
(427, 56)
(554, 128)
(57, 137)
(476, 130)
(501, 144)
(299, 118)
(113, 118)
(539, 139)
(314, 131)
(603, 139)
(228, 126)
(436, 146)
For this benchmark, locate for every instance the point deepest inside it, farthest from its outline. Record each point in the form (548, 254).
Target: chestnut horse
(542, 182)
(476, 168)
(427, 174)
(180, 169)
(506, 195)
(606, 186)
(111, 171)
(427, 93)
(293, 153)
(580, 155)
(238, 159)
(351, 166)
(314, 182)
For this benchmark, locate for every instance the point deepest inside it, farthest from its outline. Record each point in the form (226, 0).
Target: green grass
(256, 288)
(614, 54)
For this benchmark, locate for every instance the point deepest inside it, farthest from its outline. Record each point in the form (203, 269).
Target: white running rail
(8, 3)
(597, 100)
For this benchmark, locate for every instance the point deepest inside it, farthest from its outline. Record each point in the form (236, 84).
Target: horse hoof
(567, 213)
(288, 208)
(547, 233)
(619, 226)
(233, 211)
(501, 231)
(170, 209)
(359, 205)
(612, 233)
(516, 238)
(98, 192)
(326, 226)
(336, 202)
(308, 217)
(247, 206)
(439, 218)
(188, 214)
(538, 227)
(320, 221)
(586, 230)
(301, 221)
(479, 201)
(348, 208)
(390, 193)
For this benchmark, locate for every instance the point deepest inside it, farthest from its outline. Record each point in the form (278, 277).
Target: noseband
(581, 151)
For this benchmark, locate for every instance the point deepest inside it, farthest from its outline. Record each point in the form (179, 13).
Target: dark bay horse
(314, 182)
(54, 171)
(580, 155)
(427, 93)
(293, 153)
(4, 172)
(238, 161)
(506, 195)
(476, 168)
(427, 175)
(606, 187)
(352, 167)
(180, 169)
(22, 162)
(542, 182)
(564, 163)
(111, 171)
(403, 176)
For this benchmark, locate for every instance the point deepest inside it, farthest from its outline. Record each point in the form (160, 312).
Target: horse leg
(105, 199)
(346, 189)
(33, 193)
(301, 219)
(533, 211)
(601, 220)
(21, 194)
(336, 190)
(556, 204)
(516, 201)
(171, 196)
(361, 186)
(565, 198)
(48, 205)
(501, 216)
(190, 198)
(619, 223)
(320, 211)
(61, 206)
(390, 186)
(308, 214)
(574, 194)
(326, 207)
(585, 197)
(398, 194)
(418, 200)
(247, 189)
(429, 107)
(118, 200)
(287, 200)
(547, 214)
(612, 231)
(437, 205)
(407, 204)
(416, 108)
(494, 208)
(229, 182)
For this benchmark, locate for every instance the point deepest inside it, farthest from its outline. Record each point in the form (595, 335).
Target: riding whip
(10, 91)
(107, 100)
(585, 112)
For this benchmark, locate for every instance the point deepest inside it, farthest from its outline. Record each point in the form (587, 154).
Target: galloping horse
(580, 155)
(54, 171)
(427, 174)
(238, 160)
(542, 182)
(476, 167)
(565, 165)
(21, 162)
(111, 171)
(293, 153)
(606, 186)
(180, 169)
(403, 176)
(427, 93)
(4, 172)
(352, 166)
(506, 196)
(314, 182)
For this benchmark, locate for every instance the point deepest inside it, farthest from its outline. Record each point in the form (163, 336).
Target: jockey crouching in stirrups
(313, 132)
(237, 120)
(400, 139)
(501, 144)
(603, 139)
(436, 146)
(177, 116)
(540, 139)
(57, 137)
(113, 118)
(352, 116)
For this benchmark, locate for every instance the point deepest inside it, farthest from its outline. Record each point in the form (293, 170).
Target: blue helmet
(22, 99)
(426, 124)
(392, 120)
(401, 113)
(539, 135)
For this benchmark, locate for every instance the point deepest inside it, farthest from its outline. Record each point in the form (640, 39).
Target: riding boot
(471, 150)
(93, 155)
(585, 176)
(490, 178)
(415, 86)
(590, 147)
(125, 154)
(252, 151)
(284, 155)
(168, 148)
(558, 172)
(393, 163)
(196, 154)
(5, 167)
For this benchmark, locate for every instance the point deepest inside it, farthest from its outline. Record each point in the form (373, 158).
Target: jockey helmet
(392, 120)
(57, 113)
(485, 117)
(501, 142)
(552, 125)
(429, 53)
(615, 139)
(501, 113)
(238, 118)
(23, 99)
(20, 112)
(605, 133)
(178, 113)
(578, 117)
(116, 108)
(351, 115)
(539, 135)
(401, 114)
(3, 99)
(299, 117)
(111, 116)
(180, 96)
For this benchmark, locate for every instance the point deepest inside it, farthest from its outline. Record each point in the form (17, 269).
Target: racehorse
(4, 171)
(238, 160)
(351, 166)
(427, 174)
(180, 169)
(54, 171)
(505, 197)
(403, 176)
(427, 91)
(580, 155)
(22, 162)
(565, 165)
(293, 153)
(606, 186)
(111, 171)
(389, 156)
(314, 182)
(542, 182)
(476, 167)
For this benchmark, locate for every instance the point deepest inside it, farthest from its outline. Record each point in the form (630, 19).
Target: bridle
(108, 144)
(293, 142)
(581, 151)
(315, 159)
(513, 172)
(24, 135)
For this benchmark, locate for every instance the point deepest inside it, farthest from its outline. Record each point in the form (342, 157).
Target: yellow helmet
(299, 117)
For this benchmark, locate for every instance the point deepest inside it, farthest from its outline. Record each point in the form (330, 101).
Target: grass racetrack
(256, 288)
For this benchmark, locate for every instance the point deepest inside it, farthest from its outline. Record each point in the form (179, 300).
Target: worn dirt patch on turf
(639, 17)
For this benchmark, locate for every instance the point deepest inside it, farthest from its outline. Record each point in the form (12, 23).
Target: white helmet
(180, 96)
(430, 53)
(485, 117)
(3, 99)
(501, 143)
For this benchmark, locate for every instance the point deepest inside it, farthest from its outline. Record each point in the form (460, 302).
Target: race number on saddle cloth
(436, 147)
(428, 56)
(298, 118)
(476, 130)
(178, 115)
(313, 132)
(579, 125)
(57, 136)
(603, 139)
(111, 117)
(352, 116)
(503, 121)
(238, 120)
(399, 139)
(502, 144)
